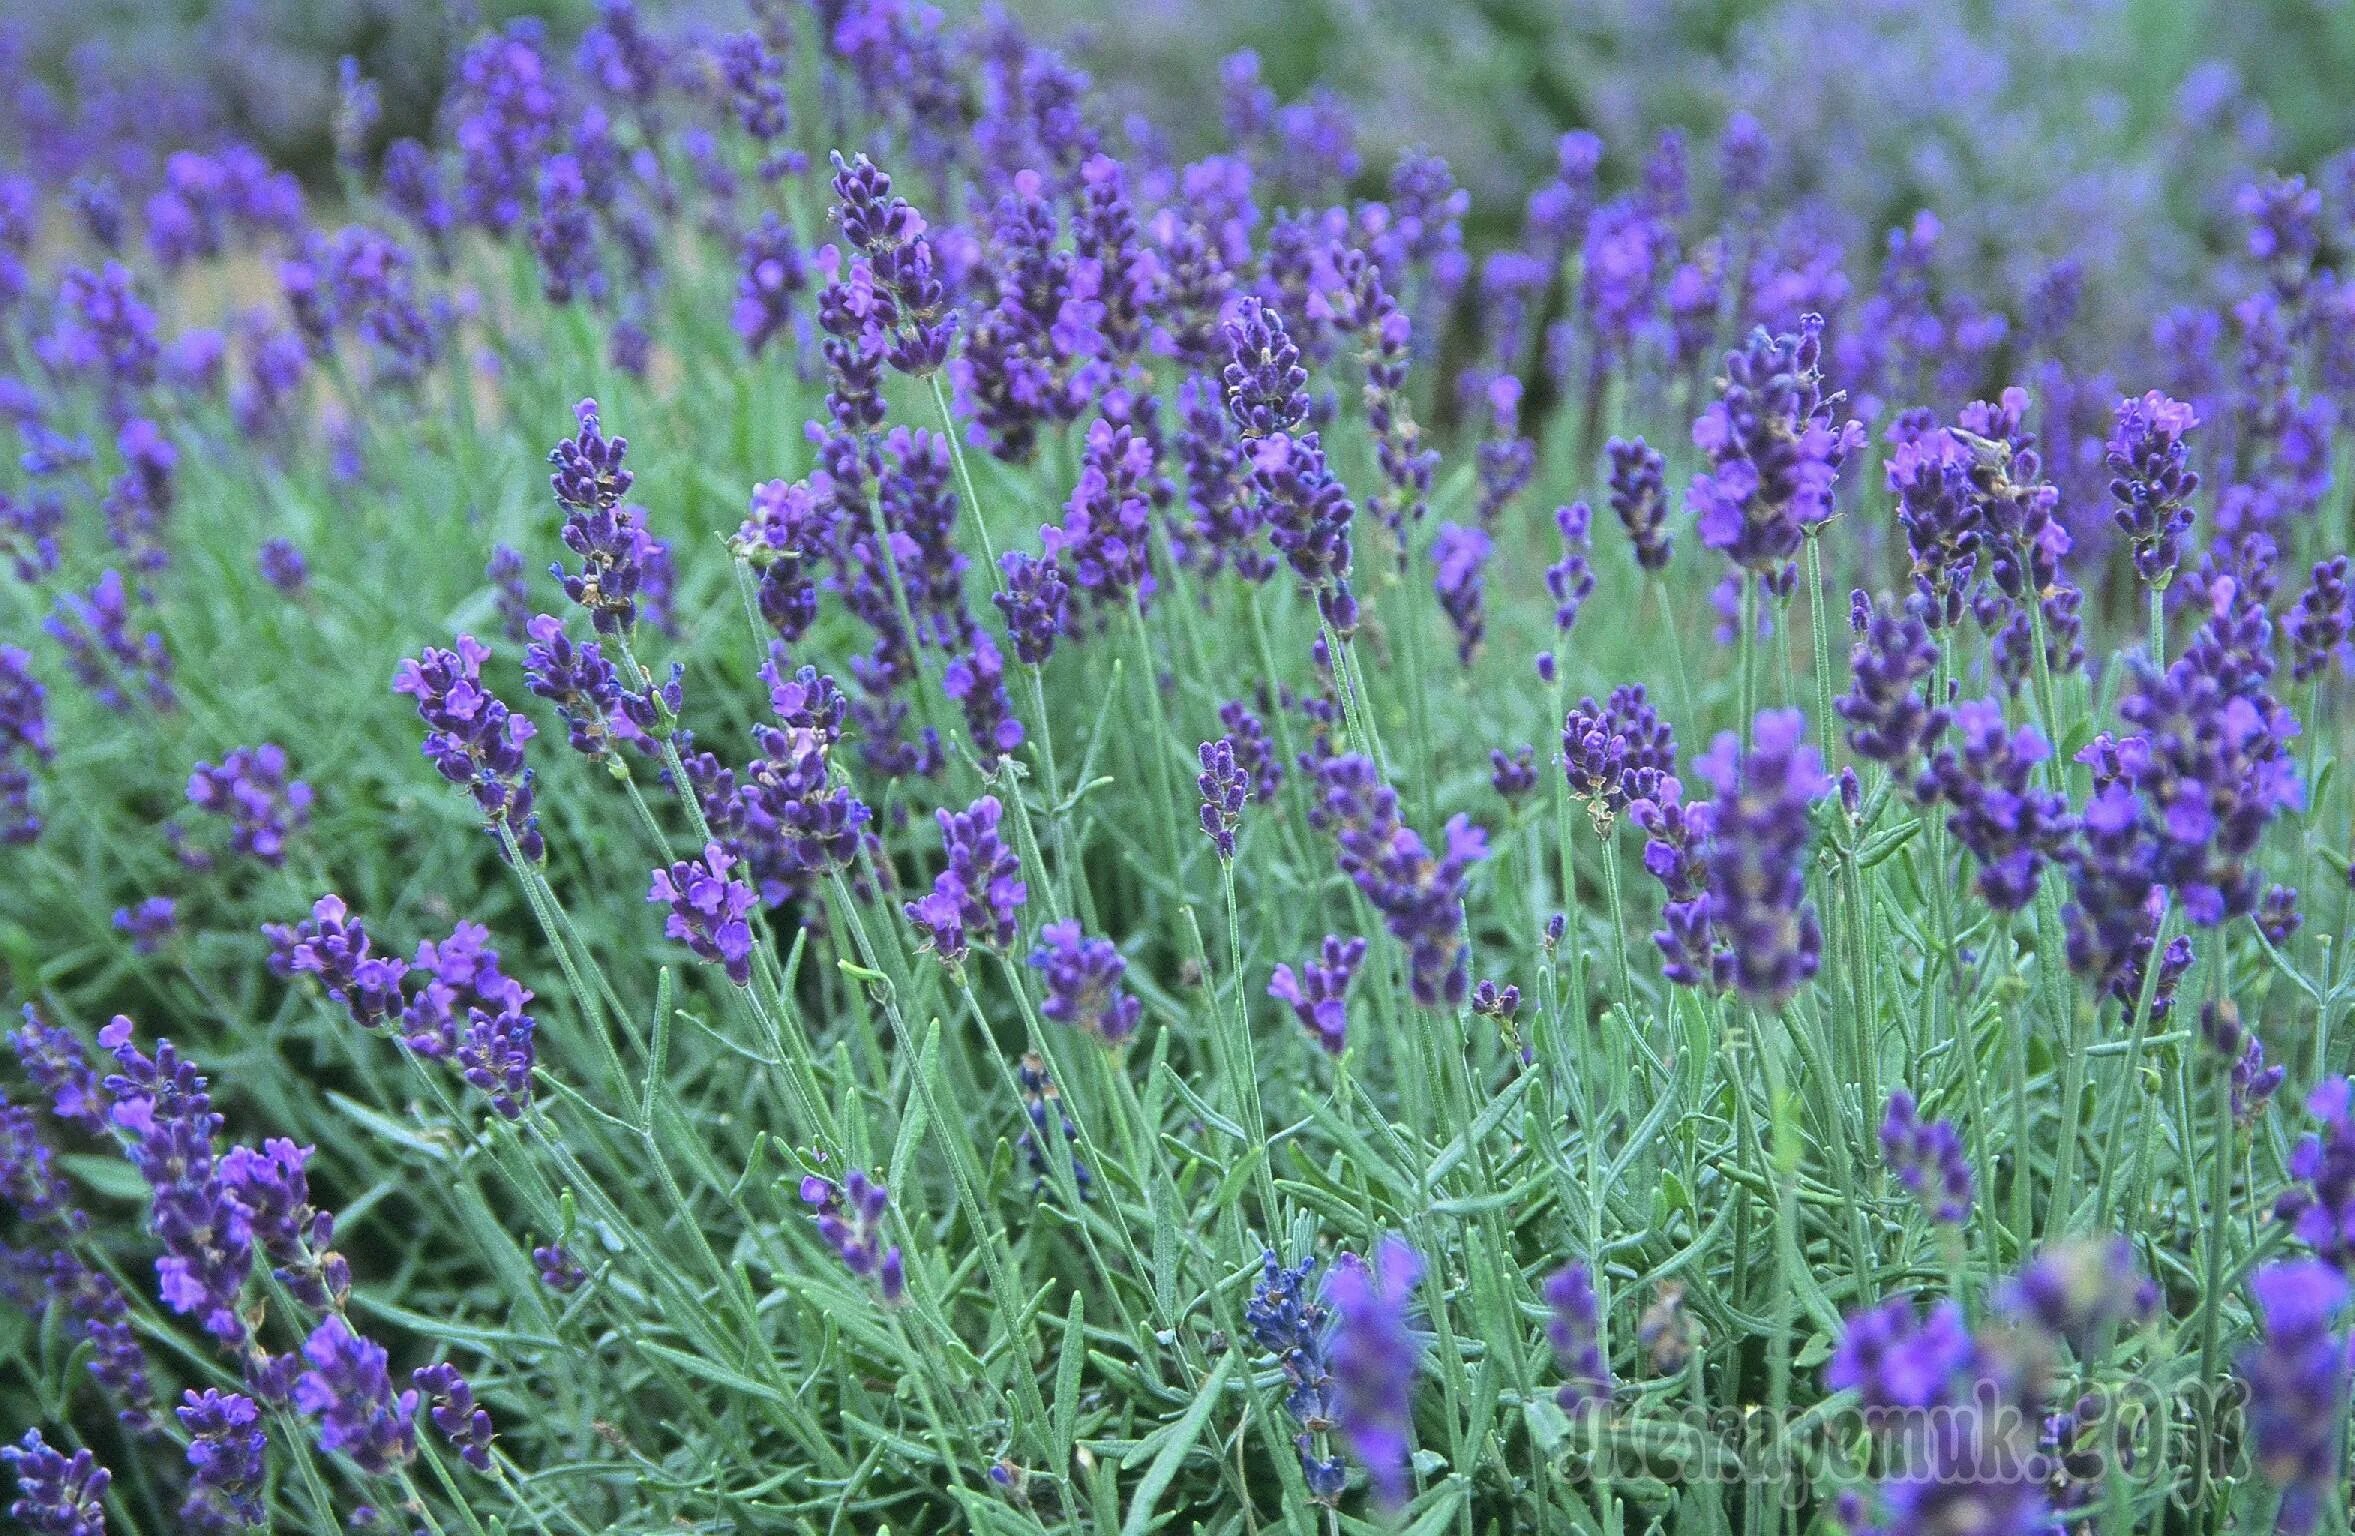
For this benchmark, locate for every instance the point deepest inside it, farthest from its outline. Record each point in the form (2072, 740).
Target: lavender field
(827, 768)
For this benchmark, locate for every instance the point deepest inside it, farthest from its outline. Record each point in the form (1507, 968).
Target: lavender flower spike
(57, 1495)
(1319, 994)
(1373, 1361)
(710, 912)
(2298, 1382)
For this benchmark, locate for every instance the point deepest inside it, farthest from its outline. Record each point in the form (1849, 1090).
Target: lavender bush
(789, 786)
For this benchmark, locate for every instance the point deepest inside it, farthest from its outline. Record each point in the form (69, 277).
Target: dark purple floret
(1419, 894)
(610, 538)
(149, 925)
(1266, 388)
(1639, 498)
(57, 1495)
(349, 1391)
(1083, 981)
(587, 691)
(1986, 776)
(472, 739)
(1318, 994)
(1775, 445)
(1927, 1157)
(226, 1449)
(251, 790)
(1512, 774)
(2297, 1377)
(1035, 603)
(2278, 917)
(1574, 1327)
(892, 285)
(1616, 753)
(450, 1404)
(24, 741)
(772, 277)
(1893, 1359)
(1373, 1357)
(1570, 581)
(2320, 1206)
(978, 898)
(2319, 625)
(564, 233)
(333, 946)
(2154, 482)
(975, 678)
(55, 1062)
(1505, 461)
(1755, 857)
(850, 1219)
(94, 631)
(1105, 541)
(709, 911)
(283, 566)
(1255, 752)
(1938, 506)
(1459, 563)
(1308, 513)
(2080, 1290)
(1294, 1326)
(1890, 718)
(559, 1270)
(1224, 787)
(2242, 1055)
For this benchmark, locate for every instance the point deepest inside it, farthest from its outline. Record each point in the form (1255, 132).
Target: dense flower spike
(117, 667)
(348, 1390)
(1459, 561)
(1639, 499)
(1775, 446)
(450, 1404)
(472, 739)
(226, 1447)
(1616, 753)
(1574, 1328)
(710, 911)
(850, 1220)
(1224, 788)
(978, 898)
(1035, 602)
(1319, 994)
(2154, 482)
(1755, 856)
(1890, 720)
(611, 539)
(1266, 388)
(893, 283)
(1420, 895)
(1294, 1326)
(2320, 623)
(1373, 1360)
(24, 742)
(1927, 1157)
(1893, 1358)
(2320, 1207)
(2298, 1379)
(250, 789)
(1308, 512)
(1986, 776)
(57, 1495)
(1083, 980)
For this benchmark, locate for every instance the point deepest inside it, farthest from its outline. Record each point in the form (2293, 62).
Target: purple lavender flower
(451, 1406)
(1755, 857)
(503, 111)
(2154, 482)
(850, 1219)
(559, 1270)
(893, 282)
(975, 678)
(472, 739)
(1512, 774)
(1639, 498)
(333, 946)
(349, 1391)
(1266, 388)
(1308, 513)
(587, 691)
(2011, 827)
(1373, 1361)
(709, 911)
(1505, 461)
(2320, 1206)
(283, 566)
(226, 1447)
(1083, 983)
(1775, 446)
(1224, 788)
(1894, 1360)
(1890, 721)
(1574, 1327)
(1676, 836)
(57, 1495)
(564, 233)
(2079, 1291)
(978, 898)
(1255, 752)
(1616, 753)
(1105, 542)
(1294, 1326)
(149, 925)
(610, 539)
(2252, 1082)
(1459, 560)
(1927, 1157)
(2298, 1378)
(1319, 994)
(24, 739)
(773, 275)
(2319, 625)
(55, 1063)
(1035, 604)
(1114, 264)
(251, 790)
(102, 329)
(103, 655)
(1420, 895)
